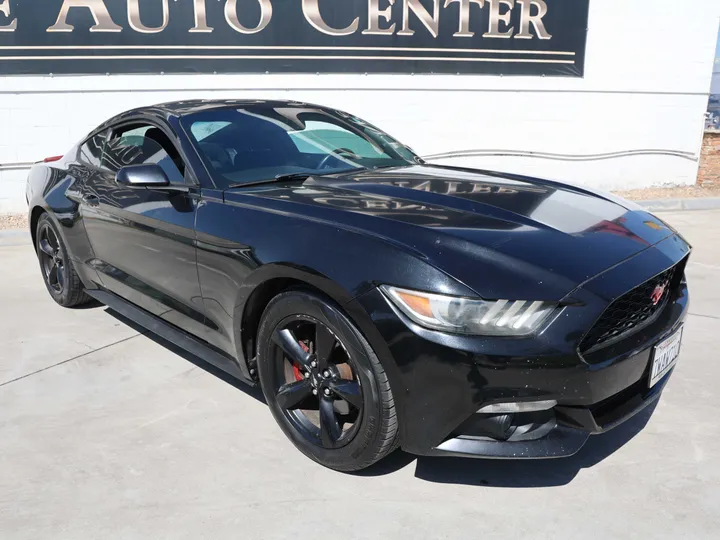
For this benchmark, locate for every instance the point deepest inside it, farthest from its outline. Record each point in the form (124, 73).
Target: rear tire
(324, 384)
(61, 280)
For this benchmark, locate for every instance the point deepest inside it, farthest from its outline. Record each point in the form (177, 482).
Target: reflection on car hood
(537, 228)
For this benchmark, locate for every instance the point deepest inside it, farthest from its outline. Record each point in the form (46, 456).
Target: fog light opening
(518, 407)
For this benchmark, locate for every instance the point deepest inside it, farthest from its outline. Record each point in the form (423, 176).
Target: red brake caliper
(296, 368)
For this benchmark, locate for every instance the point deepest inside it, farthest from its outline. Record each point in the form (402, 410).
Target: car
(378, 300)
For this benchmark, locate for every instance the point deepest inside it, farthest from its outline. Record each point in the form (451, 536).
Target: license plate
(664, 357)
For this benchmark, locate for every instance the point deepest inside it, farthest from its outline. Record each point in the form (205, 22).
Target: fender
(348, 303)
(260, 287)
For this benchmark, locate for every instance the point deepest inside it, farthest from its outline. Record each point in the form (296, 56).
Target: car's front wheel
(324, 384)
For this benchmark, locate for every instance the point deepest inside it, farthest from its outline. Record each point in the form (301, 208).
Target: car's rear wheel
(59, 275)
(324, 384)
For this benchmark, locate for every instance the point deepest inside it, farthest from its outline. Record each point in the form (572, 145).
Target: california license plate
(665, 355)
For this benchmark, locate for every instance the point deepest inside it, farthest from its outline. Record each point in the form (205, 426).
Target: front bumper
(440, 381)
(572, 430)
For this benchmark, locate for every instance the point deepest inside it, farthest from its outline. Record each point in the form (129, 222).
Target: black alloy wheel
(51, 258)
(316, 385)
(324, 385)
(61, 280)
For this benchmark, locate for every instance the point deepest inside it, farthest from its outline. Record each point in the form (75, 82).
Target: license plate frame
(664, 356)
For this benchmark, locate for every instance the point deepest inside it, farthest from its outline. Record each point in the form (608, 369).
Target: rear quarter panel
(50, 188)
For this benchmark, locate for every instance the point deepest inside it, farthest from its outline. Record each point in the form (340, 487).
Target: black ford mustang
(379, 301)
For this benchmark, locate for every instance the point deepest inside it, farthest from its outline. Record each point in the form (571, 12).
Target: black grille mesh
(630, 312)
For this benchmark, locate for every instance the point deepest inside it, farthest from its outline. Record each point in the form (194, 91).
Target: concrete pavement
(668, 205)
(106, 432)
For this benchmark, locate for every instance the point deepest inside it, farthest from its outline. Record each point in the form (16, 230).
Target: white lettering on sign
(498, 17)
(11, 26)
(98, 9)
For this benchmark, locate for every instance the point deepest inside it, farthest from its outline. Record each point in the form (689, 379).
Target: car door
(143, 239)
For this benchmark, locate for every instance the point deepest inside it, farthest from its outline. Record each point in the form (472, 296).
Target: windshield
(260, 142)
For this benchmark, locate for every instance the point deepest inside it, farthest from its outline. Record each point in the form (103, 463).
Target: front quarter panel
(241, 246)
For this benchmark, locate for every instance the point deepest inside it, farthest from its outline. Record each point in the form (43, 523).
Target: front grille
(630, 312)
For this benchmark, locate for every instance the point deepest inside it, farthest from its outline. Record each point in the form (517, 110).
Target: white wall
(646, 86)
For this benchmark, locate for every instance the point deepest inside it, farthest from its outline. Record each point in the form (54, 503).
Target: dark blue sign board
(509, 37)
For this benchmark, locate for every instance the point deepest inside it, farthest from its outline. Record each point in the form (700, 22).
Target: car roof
(181, 108)
(178, 109)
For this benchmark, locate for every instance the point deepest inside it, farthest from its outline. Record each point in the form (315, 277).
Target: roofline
(169, 110)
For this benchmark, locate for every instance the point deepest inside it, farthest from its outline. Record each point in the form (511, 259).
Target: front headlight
(470, 316)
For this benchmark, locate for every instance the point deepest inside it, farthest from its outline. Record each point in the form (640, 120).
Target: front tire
(58, 272)
(324, 384)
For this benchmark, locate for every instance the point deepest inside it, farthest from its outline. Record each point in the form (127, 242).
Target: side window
(141, 145)
(91, 151)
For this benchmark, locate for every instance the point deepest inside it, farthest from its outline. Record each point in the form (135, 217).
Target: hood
(538, 229)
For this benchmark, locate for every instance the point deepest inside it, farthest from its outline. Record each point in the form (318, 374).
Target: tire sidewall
(289, 305)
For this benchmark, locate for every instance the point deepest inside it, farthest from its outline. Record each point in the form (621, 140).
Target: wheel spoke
(349, 391)
(329, 427)
(46, 248)
(291, 395)
(287, 342)
(324, 344)
(52, 240)
(60, 270)
(53, 275)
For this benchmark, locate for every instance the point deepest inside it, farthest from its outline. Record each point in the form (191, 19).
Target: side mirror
(142, 176)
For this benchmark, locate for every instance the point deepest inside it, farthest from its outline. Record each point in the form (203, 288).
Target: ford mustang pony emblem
(658, 293)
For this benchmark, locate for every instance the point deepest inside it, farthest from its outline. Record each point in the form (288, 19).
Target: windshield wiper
(279, 178)
(291, 177)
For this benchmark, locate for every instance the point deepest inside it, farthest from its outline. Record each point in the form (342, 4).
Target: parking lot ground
(106, 432)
